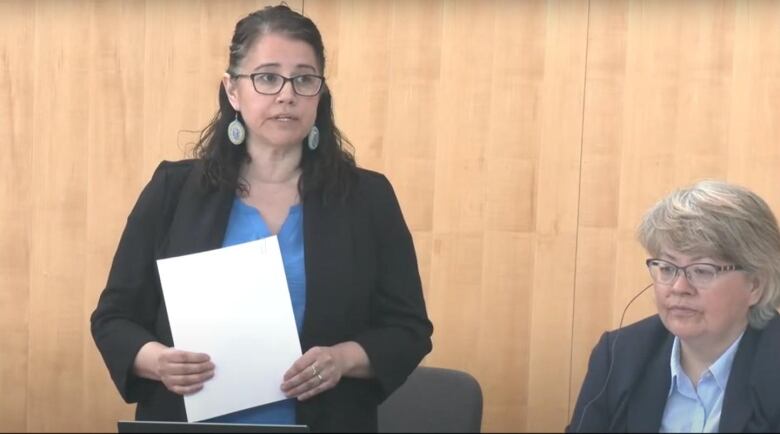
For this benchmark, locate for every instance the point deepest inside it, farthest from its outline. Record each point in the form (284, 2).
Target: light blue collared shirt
(690, 409)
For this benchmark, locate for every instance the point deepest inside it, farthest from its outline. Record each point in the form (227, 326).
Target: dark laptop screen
(125, 426)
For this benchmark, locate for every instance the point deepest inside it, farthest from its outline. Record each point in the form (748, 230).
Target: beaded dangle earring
(313, 139)
(236, 131)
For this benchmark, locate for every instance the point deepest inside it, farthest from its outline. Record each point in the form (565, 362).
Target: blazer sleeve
(591, 413)
(400, 335)
(125, 316)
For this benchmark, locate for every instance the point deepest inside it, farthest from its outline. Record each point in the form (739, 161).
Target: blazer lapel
(648, 400)
(327, 240)
(328, 252)
(737, 408)
(200, 219)
(765, 380)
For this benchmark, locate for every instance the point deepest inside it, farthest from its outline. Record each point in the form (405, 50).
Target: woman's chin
(287, 142)
(683, 326)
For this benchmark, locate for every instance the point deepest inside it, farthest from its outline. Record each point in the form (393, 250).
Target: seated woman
(709, 360)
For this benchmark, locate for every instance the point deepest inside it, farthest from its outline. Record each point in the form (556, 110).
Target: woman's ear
(231, 90)
(757, 288)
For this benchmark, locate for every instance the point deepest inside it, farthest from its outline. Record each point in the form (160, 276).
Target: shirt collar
(722, 367)
(674, 366)
(720, 370)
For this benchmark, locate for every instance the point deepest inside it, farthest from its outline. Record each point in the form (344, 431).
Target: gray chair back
(433, 400)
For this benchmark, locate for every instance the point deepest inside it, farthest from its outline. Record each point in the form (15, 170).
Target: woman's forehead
(278, 49)
(678, 256)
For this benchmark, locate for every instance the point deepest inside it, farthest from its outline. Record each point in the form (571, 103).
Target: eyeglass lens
(271, 83)
(699, 275)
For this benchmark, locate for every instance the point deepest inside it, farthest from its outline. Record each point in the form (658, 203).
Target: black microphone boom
(611, 359)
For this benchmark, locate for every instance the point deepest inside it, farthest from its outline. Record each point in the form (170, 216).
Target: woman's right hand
(182, 372)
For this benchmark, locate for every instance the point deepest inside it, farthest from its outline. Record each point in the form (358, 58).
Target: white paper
(234, 305)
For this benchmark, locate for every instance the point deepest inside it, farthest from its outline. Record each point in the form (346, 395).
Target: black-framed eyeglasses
(271, 83)
(700, 275)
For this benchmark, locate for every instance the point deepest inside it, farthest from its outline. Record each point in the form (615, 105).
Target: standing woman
(272, 162)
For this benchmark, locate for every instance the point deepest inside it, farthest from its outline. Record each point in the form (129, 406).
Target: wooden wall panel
(557, 194)
(455, 297)
(172, 84)
(63, 88)
(524, 141)
(115, 172)
(359, 90)
(17, 31)
(754, 133)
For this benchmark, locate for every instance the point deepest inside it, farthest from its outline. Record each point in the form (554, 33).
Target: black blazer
(362, 284)
(635, 398)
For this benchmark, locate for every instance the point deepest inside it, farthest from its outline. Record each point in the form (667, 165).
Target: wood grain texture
(58, 242)
(524, 141)
(115, 174)
(17, 30)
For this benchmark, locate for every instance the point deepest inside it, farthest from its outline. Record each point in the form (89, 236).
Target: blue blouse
(246, 224)
(697, 409)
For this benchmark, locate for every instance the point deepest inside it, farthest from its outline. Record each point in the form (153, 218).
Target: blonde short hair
(726, 222)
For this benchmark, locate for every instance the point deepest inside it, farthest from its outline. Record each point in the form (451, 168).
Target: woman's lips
(284, 118)
(682, 311)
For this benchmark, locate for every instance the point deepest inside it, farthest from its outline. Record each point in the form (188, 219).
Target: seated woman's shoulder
(772, 329)
(644, 330)
(649, 324)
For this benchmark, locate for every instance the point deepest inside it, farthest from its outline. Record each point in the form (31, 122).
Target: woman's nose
(286, 94)
(681, 283)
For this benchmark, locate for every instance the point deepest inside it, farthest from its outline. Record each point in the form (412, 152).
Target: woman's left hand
(321, 368)
(318, 370)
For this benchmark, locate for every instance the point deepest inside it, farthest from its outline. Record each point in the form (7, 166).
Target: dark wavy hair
(329, 169)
